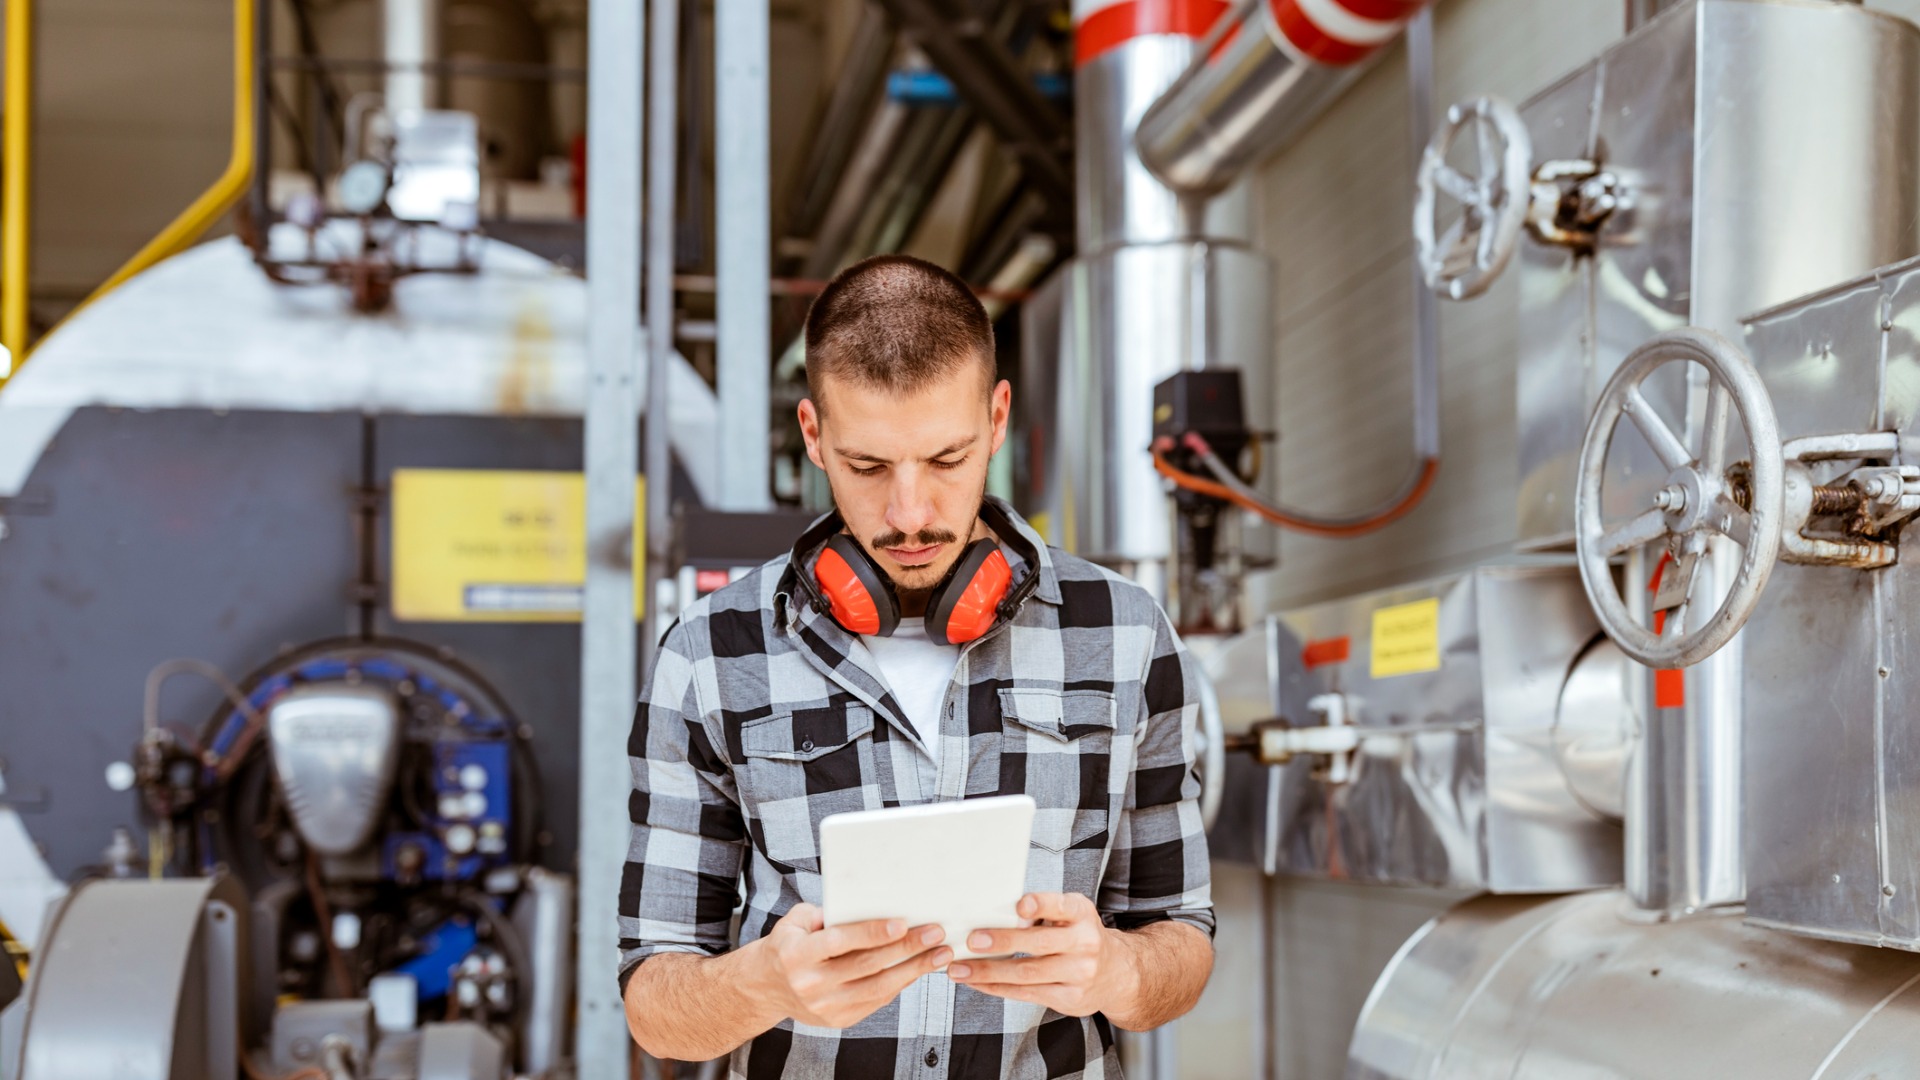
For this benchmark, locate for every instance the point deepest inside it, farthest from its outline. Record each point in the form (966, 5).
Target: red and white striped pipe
(1099, 28)
(1261, 88)
(1342, 32)
(1333, 32)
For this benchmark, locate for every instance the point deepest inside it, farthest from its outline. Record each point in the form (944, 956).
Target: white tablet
(962, 864)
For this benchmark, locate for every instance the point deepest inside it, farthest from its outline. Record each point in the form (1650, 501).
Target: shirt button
(806, 746)
(933, 1058)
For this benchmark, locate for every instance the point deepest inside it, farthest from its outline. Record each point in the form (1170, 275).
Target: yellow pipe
(229, 189)
(13, 185)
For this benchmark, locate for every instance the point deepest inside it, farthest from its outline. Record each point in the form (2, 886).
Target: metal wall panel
(1334, 212)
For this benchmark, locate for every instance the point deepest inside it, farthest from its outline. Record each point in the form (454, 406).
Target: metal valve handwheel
(1696, 506)
(1473, 251)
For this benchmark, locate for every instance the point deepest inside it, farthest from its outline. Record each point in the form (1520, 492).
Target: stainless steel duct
(412, 35)
(1275, 68)
(1533, 989)
(1161, 283)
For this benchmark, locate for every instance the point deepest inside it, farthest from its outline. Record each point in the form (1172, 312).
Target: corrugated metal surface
(1334, 214)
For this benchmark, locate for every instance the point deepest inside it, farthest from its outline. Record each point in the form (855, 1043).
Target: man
(765, 713)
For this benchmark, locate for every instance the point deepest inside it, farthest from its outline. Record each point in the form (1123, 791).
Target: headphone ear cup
(858, 594)
(965, 604)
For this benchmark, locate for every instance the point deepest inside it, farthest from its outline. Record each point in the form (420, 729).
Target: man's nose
(909, 507)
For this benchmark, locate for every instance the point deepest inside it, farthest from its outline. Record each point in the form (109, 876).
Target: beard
(911, 580)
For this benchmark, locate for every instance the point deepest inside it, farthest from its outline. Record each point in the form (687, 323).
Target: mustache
(923, 538)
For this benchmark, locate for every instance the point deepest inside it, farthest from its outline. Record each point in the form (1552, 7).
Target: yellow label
(476, 545)
(1406, 638)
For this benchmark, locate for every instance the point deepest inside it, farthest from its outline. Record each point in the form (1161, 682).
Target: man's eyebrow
(954, 448)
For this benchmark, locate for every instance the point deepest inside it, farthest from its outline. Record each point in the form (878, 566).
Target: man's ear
(810, 431)
(1001, 408)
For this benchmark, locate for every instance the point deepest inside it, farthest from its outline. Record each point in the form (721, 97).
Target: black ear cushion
(941, 601)
(885, 602)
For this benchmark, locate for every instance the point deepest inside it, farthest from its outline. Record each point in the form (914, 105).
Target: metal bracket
(1569, 202)
(1875, 500)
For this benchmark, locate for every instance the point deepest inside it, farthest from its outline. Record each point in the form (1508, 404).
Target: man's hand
(838, 976)
(1074, 964)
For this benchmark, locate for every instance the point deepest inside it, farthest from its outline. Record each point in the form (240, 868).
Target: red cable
(1428, 470)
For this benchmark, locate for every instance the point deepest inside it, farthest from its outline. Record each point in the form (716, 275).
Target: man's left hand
(1073, 964)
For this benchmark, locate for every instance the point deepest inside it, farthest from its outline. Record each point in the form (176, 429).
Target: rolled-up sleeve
(1159, 869)
(680, 885)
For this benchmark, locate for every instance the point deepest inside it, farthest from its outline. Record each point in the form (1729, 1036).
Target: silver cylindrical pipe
(412, 39)
(1268, 79)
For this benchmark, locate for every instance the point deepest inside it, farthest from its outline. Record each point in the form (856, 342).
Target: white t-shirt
(917, 671)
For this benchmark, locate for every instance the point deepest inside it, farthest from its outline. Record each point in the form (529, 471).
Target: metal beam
(743, 232)
(966, 50)
(607, 676)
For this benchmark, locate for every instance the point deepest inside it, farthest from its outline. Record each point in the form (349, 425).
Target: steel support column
(607, 692)
(742, 175)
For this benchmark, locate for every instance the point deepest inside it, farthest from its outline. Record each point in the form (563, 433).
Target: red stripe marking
(1669, 684)
(1315, 43)
(1115, 25)
(1383, 10)
(1329, 651)
(1670, 688)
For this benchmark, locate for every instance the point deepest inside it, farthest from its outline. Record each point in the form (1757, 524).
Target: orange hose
(1429, 469)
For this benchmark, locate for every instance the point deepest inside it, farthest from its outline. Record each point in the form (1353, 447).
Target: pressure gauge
(363, 187)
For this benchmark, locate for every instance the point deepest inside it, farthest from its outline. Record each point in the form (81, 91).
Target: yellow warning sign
(482, 545)
(1406, 638)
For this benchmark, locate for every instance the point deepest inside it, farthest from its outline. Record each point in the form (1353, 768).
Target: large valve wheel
(1461, 263)
(1697, 505)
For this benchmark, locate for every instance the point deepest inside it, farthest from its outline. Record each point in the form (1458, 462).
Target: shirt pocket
(801, 767)
(1057, 746)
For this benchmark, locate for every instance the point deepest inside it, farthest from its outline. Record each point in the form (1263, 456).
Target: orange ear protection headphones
(977, 592)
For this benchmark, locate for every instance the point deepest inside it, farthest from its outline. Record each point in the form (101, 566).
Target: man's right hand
(838, 976)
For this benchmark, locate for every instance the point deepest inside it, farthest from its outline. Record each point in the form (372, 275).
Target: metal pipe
(412, 37)
(965, 49)
(869, 162)
(1274, 73)
(838, 135)
(607, 691)
(14, 218)
(743, 238)
(1426, 304)
(663, 37)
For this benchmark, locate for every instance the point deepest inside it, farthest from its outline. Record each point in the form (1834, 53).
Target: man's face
(908, 472)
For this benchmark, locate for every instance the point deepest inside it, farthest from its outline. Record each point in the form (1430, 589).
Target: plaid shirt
(763, 716)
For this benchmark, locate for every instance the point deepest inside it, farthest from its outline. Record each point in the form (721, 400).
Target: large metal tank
(1583, 986)
(200, 464)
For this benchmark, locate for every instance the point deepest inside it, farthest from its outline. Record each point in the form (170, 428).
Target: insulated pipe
(1268, 77)
(412, 41)
(13, 186)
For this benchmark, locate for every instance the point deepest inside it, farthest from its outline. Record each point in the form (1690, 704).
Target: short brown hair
(895, 323)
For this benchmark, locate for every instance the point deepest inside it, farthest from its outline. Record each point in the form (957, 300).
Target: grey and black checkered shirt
(763, 716)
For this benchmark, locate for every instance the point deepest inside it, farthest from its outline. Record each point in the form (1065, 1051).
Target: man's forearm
(697, 1008)
(1168, 965)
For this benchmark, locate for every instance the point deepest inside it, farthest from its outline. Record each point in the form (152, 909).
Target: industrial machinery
(1736, 503)
(1469, 732)
(1643, 193)
(364, 810)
